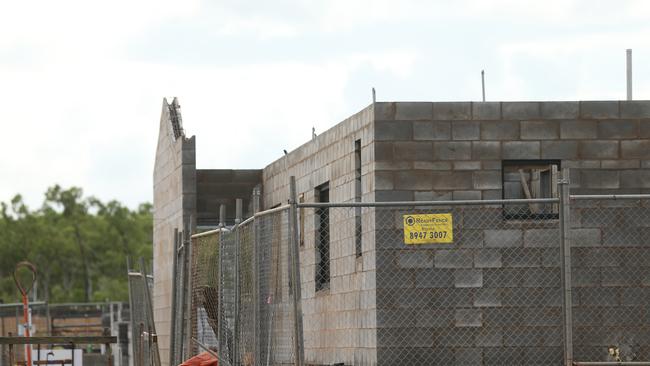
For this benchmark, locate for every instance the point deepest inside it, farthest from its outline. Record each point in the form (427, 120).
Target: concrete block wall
(455, 151)
(339, 321)
(611, 274)
(174, 201)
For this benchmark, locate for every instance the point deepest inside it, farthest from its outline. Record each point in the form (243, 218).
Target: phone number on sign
(428, 235)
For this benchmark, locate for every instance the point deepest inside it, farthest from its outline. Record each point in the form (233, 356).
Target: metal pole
(172, 334)
(483, 83)
(255, 268)
(628, 54)
(565, 243)
(222, 216)
(189, 294)
(294, 249)
(236, 336)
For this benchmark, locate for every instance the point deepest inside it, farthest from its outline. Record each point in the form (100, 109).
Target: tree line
(79, 245)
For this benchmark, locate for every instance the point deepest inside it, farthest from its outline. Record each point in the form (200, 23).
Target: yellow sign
(428, 229)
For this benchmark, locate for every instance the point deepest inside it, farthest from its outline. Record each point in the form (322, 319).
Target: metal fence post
(189, 295)
(565, 242)
(236, 336)
(294, 250)
(255, 276)
(172, 334)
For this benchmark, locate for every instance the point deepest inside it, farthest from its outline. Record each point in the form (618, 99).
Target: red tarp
(202, 359)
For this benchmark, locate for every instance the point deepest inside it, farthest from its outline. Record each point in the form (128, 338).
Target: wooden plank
(57, 340)
(531, 206)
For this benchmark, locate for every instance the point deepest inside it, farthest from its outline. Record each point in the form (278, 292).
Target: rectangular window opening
(357, 198)
(530, 179)
(322, 273)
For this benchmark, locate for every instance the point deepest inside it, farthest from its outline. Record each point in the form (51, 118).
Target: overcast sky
(82, 82)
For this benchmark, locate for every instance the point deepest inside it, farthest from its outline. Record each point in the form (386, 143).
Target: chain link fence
(610, 266)
(501, 282)
(144, 340)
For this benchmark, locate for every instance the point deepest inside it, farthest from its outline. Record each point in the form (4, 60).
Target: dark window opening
(357, 197)
(322, 239)
(530, 179)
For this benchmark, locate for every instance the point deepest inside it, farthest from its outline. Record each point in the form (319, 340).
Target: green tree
(79, 245)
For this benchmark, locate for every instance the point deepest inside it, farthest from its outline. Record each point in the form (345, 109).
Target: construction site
(413, 233)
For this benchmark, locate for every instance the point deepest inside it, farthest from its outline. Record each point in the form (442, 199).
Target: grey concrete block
(598, 149)
(585, 277)
(413, 150)
(578, 129)
(432, 130)
(414, 259)
(453, 259)
(452, 110)
(500, 130)
(542, 277)
(588, 296)
(452, 150)
(393, 130)
(487, 258)
(520, 110)
(435, 318)
(414, 111)
(599, 109)
(467, 165)
(620, 164)
(383, 151)
(551, 257)
(393, 195)
(465, 130)
(521, 150)
(469, 318)
(468, 356)
(492, 194)
(466, 278)
(438, 278)
(644, 128)
(384, 180)
(635, 149)
(600, 179)
(541, 238)
(635, 109)
(431, 165)
(466, 195)
(456, 180)
(384, 111)
(618, 129)
(432, 196)
(490, 179)
(489, 337)
(521, 258)
(560, 110)
(540, 130)
(413, 180)
(559, 149)
(487, 297)
(635, 178)
(468, 238)
(503, 238)
(584, 237)
(486, 150)
(491, 164)
(486, 110)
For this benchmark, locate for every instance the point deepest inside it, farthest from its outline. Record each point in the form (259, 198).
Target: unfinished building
(368, 298)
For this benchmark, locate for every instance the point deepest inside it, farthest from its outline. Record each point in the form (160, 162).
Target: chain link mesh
(610, 259)
(491, 296)
(143, 340)
(205, 280)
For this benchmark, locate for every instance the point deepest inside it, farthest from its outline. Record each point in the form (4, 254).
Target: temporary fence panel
(204, 292)
(448, 283)
(610, 265)
(143, 340)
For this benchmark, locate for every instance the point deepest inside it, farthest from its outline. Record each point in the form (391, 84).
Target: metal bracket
(563, 181)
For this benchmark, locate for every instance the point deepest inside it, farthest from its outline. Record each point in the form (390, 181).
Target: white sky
(82, 82)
